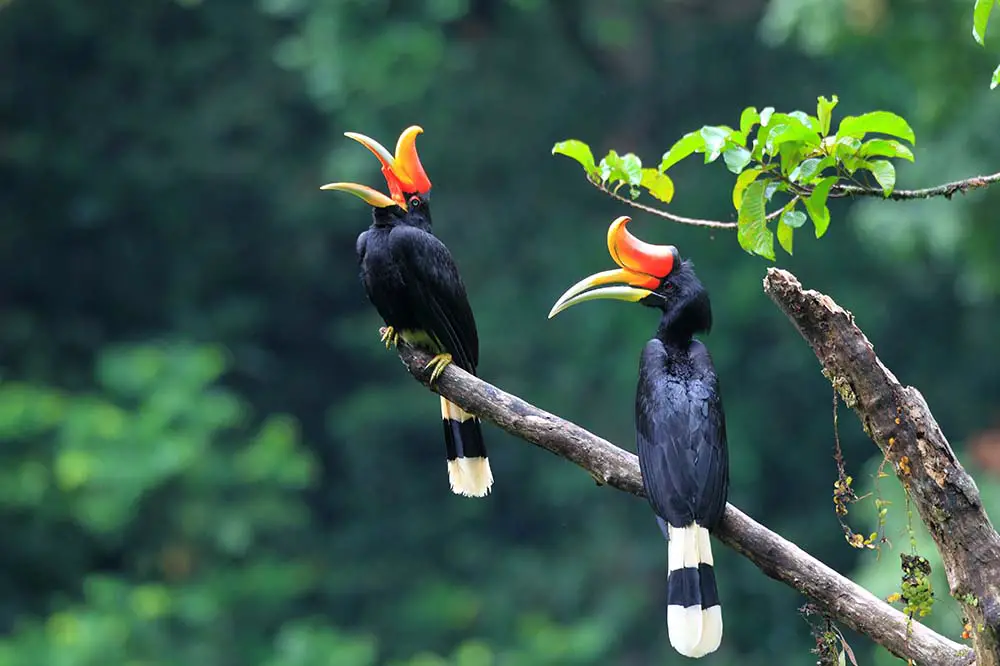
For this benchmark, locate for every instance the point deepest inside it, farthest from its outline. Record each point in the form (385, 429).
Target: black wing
(437, 293)
(681, 436)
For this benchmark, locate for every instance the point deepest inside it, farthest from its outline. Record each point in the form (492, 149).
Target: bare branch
(782, 560)
(898, 419)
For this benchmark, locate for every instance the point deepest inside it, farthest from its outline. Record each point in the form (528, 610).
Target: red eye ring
(414, 201)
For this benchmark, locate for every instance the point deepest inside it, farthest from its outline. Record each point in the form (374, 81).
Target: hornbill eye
(414, 202)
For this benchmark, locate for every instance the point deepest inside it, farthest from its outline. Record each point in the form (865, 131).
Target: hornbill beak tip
(372, 197)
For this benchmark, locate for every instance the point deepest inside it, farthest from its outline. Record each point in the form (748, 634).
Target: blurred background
(208, 459)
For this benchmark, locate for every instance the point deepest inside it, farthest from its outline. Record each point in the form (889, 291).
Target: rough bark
(899, 421)
(838, 597)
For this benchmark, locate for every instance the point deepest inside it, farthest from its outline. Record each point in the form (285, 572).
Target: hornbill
(679, 424)
(411, 279)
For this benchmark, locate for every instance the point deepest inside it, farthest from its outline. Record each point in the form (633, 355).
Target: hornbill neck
(386, 218)
(682, 318)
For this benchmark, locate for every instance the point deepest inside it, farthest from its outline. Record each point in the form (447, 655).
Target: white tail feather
(711, 632)
(471, 477)
(693, 631)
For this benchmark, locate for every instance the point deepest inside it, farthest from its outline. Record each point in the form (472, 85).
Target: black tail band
(464, 439)
(692, 587)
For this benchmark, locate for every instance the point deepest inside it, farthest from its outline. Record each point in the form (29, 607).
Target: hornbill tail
(469, 471)
(694, 615)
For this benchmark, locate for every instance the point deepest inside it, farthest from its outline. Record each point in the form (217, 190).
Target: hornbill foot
(439, 362)
(389, 336)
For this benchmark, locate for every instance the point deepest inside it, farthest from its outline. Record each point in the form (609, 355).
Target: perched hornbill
(679, 424)
(412, 281)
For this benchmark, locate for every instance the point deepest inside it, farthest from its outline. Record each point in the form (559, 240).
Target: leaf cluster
(771, 153)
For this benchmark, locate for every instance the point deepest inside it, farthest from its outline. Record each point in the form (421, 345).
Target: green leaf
(752, 232)
(883, 122)
(579, 151)
(686, 145)
(715, 141)
(792, 153)
(785, 128)
(736, 159)
(785, 234)
(809, 168)
(772, 187)
(807, 120)
(980, 17)
(658, 184)
(617, 168)
(765, 115)
(824, 111)
(885, 148)
(996, 78)
(816, 205)
(885, 174)
(848, 151)
(748, 119)
(742, 182)
(632, 168)
(793, 218)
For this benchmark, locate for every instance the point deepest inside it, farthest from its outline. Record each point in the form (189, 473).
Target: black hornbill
(679, 424)
(411, 279)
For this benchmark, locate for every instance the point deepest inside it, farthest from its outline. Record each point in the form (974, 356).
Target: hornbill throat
(404, 175)
(643, 268)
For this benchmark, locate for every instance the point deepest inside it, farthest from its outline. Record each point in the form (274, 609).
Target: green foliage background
(207, 458)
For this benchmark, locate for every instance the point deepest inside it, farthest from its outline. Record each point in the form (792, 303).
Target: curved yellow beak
(578, 292)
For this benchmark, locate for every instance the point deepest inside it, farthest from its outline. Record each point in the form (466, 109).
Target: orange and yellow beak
(643, 268)
(403, 172)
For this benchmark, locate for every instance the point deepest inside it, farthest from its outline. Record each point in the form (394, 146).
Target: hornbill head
(408, 182)
(653, 275)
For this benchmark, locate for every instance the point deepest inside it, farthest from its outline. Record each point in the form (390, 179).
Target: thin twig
(693, 221)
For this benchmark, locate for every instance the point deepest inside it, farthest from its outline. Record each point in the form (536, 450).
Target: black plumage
(412, 280)
(681, 439)
(679, 422)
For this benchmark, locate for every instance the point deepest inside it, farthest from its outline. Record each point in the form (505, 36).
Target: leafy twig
(793, 154)
(947, 190)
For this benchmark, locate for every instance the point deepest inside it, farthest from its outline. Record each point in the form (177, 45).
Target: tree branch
(948, 190)
(840, 598)
(898, 419)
